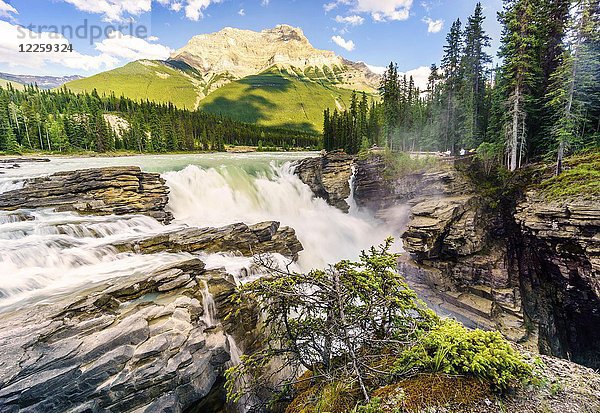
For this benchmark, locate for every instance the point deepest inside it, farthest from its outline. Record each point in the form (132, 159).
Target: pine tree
(390, 93)
(473, 67)
(574, 84)
(452, 81)
(8, 141)
(520, 74)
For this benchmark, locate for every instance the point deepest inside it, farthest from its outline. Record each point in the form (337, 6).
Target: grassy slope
(157, 82)
(5, 83)
(580, 179)
(278, 98)
(293, 99)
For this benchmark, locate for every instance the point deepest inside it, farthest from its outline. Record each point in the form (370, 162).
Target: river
(57, 253)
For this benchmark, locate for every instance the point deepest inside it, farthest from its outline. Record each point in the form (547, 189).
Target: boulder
(101, 191)
(263, 238)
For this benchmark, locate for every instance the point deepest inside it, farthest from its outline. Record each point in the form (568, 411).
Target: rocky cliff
(328, 177)
(558, 254)
(495, 258)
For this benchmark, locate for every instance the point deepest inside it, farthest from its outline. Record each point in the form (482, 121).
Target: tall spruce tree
(474, 64)
(452, 82)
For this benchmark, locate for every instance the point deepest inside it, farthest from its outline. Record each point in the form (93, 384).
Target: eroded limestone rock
(328, 176)
(101, 191)
(139, 343)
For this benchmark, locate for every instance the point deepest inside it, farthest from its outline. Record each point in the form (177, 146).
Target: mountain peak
(286, 32)
(241, 53)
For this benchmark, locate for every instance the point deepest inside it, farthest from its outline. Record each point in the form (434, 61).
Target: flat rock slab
(99, 191)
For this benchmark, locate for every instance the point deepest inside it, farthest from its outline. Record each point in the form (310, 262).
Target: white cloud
(380, 10)
(128, 47)
(420, 76)
(113, 51)
(354, 20)
(334, 4)
(343, 43)
(7, 9)
(113, 10)
(242, 12)
(265, 3)
(193, 8)
(376, 69)
(433, 26)
(11, 36)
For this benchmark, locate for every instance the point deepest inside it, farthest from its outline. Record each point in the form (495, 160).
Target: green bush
(453, 349)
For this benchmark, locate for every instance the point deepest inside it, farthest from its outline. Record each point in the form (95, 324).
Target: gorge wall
(495, 258)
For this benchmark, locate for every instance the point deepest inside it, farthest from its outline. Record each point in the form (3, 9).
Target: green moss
(579, 180)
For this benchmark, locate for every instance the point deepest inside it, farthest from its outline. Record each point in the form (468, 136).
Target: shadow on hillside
(253, 108)
(249, 108)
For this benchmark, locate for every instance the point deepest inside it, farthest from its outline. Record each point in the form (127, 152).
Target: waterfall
(350, 200)
(220, 196)
(208, 302)
(45, 253)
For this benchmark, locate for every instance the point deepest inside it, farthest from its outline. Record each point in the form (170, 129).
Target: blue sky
(409, 32)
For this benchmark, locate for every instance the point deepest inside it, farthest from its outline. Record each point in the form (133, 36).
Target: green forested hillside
(275, 97)
(5, 83)
(279, 98)
(161, 82)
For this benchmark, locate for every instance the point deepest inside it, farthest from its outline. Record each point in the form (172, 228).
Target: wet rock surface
(262, 238)
(138, 343)
(101, 191)
(328, 177)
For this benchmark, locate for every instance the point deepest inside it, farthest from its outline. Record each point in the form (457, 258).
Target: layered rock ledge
(263, 238)
(145, 342)
(101, 191)
(559, 256)
(328, 177)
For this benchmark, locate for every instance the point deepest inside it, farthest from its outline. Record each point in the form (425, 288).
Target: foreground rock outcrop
(101, 191)
(145, 342)
(494, 258)
(328, 177)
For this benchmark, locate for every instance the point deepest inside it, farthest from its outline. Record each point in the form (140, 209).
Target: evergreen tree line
(353, 129)
(62, 121)
(543, 100)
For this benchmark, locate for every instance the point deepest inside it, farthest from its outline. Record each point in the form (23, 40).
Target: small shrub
(453, 349)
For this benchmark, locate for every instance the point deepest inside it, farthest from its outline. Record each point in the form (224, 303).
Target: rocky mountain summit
(239, 53)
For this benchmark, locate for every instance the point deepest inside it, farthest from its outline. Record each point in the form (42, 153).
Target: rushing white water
(44, 254)
(214, 197)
